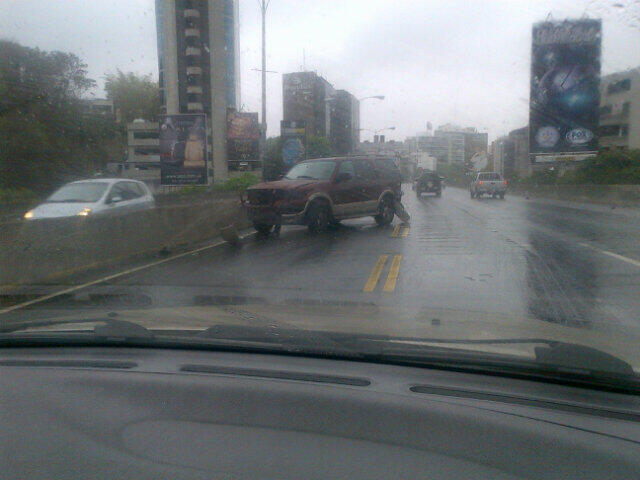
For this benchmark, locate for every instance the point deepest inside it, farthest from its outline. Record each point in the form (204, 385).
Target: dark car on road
(488, 183)
(323, 191)
(428, 182)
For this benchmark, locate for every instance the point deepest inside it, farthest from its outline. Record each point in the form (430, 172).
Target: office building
(474, 143)
(198, 61)
(345, 123)
(511, 154)
(306, 97)
(620, 110)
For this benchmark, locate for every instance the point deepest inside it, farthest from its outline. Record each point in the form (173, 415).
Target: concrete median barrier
(42, 250)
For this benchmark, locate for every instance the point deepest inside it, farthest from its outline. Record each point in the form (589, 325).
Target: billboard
(243, 136)
(183, 149)
(565, 75)
(294, 142)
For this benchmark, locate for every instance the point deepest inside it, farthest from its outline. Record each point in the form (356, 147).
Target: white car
(94, 197)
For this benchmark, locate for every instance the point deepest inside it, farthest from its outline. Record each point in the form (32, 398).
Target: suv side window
(364, 169)
(387, 168)
(346, 166)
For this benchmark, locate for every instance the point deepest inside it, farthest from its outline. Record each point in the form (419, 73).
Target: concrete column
(218, 120)
(170, 56)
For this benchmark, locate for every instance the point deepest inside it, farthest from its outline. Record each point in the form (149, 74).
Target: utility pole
(263, 137)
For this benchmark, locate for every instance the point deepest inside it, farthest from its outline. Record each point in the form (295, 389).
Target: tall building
(620, 110)
(437, 147)
(455, 143)
(306, 97)
(345, 122)
(511, 154)
(474, 143)
(198, 61)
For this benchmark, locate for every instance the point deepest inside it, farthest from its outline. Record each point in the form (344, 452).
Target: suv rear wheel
(387, 212)
(318, 217)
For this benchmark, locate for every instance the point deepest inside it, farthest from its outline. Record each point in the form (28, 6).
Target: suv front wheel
(318, 217)
(387, 212)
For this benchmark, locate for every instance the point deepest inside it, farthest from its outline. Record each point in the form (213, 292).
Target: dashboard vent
(69, 363)
(278, 374)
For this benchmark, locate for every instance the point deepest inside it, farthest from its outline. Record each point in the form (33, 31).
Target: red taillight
(505, 182)
(480, 182)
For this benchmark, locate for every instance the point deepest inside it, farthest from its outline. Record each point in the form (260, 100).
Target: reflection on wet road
(563, 264)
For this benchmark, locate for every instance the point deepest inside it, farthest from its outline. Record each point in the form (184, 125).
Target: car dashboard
(149, 413)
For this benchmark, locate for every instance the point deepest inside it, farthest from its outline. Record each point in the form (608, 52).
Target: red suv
(323, 191)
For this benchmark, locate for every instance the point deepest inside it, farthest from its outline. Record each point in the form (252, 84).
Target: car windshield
(79, 192)
(386, 178)
(317, 170)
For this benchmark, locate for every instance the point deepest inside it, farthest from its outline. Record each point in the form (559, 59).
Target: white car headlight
(84, 212)
(28, 215)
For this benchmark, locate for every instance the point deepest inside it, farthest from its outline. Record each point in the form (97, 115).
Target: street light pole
(263, 137)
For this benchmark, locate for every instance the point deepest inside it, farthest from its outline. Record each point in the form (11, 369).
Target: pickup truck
(488, 183)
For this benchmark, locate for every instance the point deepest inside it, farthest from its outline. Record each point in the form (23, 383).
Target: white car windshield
(81, 192)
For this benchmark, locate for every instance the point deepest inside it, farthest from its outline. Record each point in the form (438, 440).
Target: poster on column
(183, 149)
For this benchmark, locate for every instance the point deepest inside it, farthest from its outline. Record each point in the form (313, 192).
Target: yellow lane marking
(405, 232)
(375, 274)
(394, 271)
(396, 231)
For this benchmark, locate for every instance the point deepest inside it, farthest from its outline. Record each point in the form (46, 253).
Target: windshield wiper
(109, 327)
(554, 360)
(305, 176)
(267, 335)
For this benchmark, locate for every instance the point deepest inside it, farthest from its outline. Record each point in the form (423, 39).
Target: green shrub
(236, 184)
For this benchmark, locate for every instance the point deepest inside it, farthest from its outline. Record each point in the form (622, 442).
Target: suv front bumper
(275, 214)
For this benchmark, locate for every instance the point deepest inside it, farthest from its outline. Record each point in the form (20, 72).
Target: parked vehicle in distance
(323, 191)
(94, 197)
(428, 182)
(488, 183)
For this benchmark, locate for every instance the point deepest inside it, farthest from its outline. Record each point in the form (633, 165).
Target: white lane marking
(111, 277)
(611, 254)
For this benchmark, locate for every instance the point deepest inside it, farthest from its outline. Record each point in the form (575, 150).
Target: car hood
(54, 210)
(284, 184)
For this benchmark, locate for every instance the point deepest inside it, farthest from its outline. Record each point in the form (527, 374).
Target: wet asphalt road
(553, 261)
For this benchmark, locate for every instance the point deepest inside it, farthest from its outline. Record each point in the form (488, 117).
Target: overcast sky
(464, 62)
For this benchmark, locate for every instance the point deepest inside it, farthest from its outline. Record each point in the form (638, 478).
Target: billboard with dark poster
(294, 142)
(183, 149)
(243, 136)
(565, 75)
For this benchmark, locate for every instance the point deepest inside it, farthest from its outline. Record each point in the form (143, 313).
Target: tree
(133, 96)
(318, 147)
(44, 139)
(273, 164)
